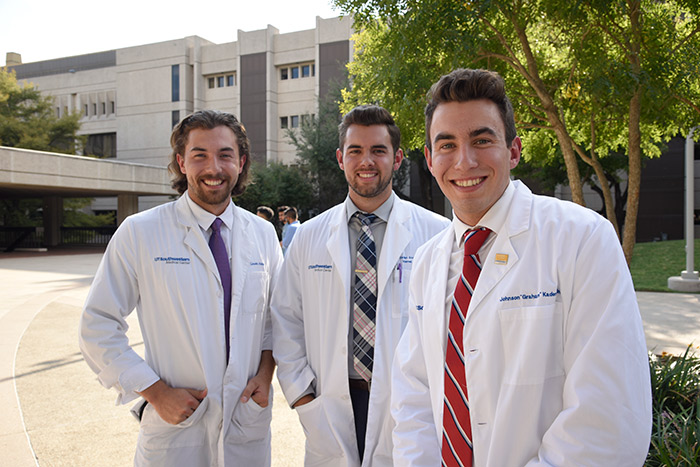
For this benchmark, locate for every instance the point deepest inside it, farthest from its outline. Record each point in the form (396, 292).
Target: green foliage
(28, 119)
(73, 216)
(675, 439)
(275, 185)
(654, 262)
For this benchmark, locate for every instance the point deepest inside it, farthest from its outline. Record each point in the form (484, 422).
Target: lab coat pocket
(250, 422)
(156, 433)
(320, 442)
(255, 292)
(532, 339)
(400, 280)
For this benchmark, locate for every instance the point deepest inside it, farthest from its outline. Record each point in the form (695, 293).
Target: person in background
(199, 272)
(291, 224)
(280, 225)
(524, 343)
(341, 301)
(265, 212)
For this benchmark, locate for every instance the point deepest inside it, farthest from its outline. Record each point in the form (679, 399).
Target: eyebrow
(224, 149)
(482, 130)
(472, 134)
(376, 146)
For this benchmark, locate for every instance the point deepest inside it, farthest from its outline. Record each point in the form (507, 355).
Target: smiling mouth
(213, 182)
(366, 175)
(468, 183)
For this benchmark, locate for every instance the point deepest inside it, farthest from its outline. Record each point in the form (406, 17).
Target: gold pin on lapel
(362, 271)
(501, 258)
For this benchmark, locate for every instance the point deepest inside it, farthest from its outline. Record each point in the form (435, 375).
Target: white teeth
(365, 175)
(467, 183)
(213, 182)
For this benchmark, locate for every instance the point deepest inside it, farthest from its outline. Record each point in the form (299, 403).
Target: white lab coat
(159, 262)
(311, 319)
(556, 361)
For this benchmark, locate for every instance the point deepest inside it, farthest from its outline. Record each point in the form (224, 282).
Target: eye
(447, 146)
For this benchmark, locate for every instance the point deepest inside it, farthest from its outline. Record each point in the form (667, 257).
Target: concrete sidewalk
(56, 413)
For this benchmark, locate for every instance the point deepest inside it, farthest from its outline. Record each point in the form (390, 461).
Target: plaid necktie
(457, 447)
(364, 298)
(218, 249)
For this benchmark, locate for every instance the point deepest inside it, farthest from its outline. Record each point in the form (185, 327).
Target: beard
(372, 190)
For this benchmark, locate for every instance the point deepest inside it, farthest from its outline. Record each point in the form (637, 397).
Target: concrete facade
(131, 98)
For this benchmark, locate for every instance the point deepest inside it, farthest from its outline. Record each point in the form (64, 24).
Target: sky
(46, 29)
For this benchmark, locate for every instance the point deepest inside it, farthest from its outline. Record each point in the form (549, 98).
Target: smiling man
(199, 272)
(524, 344)
(341, 301)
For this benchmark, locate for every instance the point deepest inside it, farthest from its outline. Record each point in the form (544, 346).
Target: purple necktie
(218, 249)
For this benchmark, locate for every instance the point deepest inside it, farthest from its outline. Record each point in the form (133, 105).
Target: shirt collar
(204, 218)
(381, 212)
(494, 219)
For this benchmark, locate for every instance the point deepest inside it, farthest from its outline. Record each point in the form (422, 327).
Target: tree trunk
(634, 150)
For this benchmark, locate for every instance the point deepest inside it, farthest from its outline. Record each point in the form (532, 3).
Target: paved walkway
(55, 413)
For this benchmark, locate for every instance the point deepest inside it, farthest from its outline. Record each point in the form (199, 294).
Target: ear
(339, 157)
(181, 163)
(398, 158)
(428, 158)
(515, 151)
(242, 160)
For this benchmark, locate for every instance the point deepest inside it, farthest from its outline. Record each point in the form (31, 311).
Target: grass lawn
(653, 263)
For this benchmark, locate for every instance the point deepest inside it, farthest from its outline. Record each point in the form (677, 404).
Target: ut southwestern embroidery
(172, 260)
(320, 267)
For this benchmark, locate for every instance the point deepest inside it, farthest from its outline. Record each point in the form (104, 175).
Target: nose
(466, 158)
(366, 159)
(213, 165)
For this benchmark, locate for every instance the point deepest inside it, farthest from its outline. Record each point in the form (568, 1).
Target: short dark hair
(367, 115)
(266, 211)
(291, 213)
(464, 84)
(208, 120)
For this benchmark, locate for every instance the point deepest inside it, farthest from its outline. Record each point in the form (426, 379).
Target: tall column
(53, 217)
(127, 205)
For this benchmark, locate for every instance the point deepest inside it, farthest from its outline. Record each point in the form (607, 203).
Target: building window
(219, 81)
(86, 110)
(305, 71)
(284, 73)
(101, 145)
(58, 112)
(284, 122)
(295, 121)
(94, 108)
(295, 72)
(212, 83)
(175, 118)
(104, 108)
(175, 83)
(112, 104)
(230, 80)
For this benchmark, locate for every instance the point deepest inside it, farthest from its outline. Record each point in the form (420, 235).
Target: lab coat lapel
(338, 246)
(517, 221)
(242, 248)
(396, 237)
(194, 238)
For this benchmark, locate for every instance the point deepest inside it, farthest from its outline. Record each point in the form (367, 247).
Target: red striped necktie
(457, 449)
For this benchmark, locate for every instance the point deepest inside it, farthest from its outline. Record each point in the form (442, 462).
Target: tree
(28, 119)
(583, 76)
(276, 185)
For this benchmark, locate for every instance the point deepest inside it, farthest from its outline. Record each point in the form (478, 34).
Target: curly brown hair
(208, 120)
